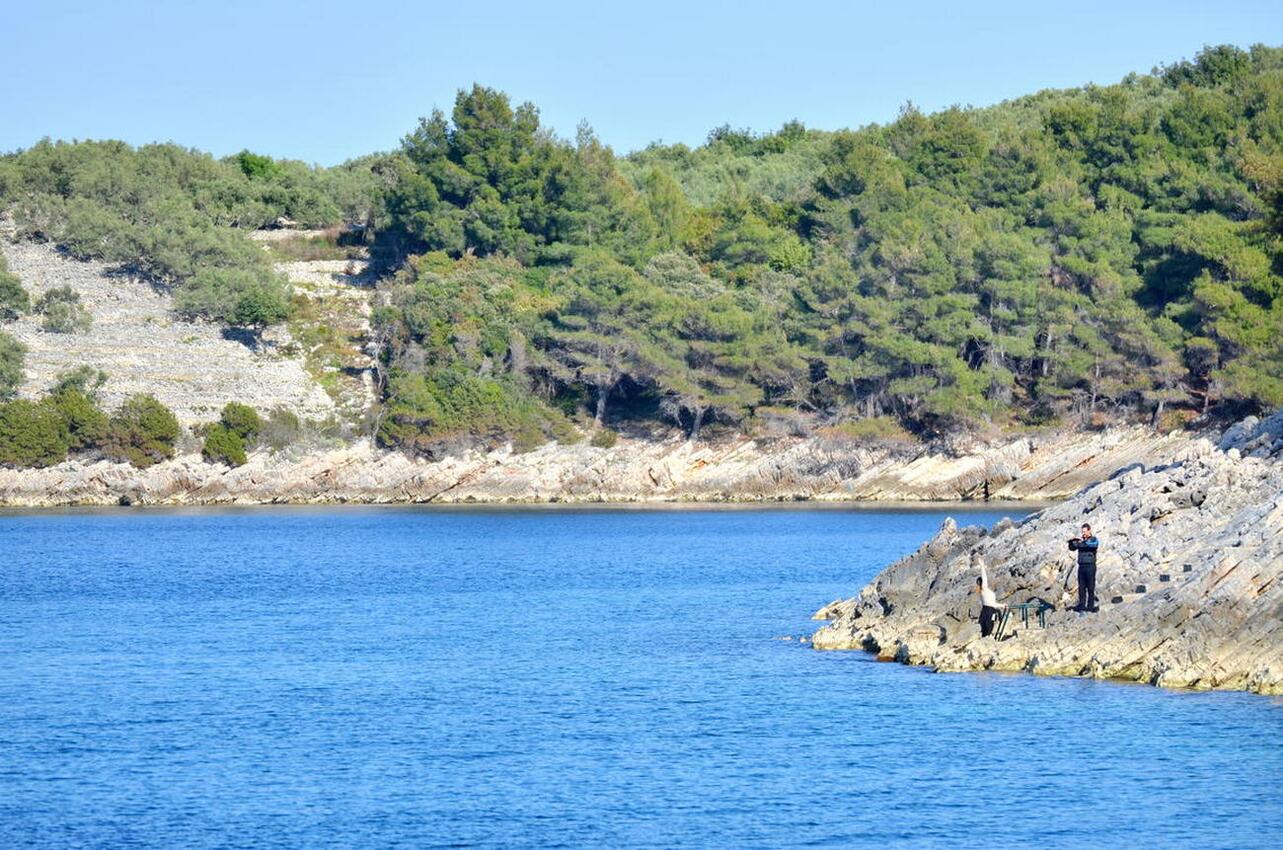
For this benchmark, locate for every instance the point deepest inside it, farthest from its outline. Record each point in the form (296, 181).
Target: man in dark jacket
(1086, 547)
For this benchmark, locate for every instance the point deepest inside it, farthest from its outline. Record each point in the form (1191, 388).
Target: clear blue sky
(324, 81)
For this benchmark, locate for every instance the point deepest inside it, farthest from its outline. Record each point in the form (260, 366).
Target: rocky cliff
(1190, 578)
(731, 469)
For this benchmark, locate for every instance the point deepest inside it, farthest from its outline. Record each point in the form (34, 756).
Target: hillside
(193, 367)
(1082, 258)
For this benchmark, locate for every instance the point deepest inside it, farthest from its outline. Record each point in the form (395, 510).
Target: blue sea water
(388, 677)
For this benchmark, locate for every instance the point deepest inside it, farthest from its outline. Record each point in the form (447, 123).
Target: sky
(326, 81)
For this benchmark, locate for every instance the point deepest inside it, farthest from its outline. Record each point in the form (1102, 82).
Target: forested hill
(1098, 252)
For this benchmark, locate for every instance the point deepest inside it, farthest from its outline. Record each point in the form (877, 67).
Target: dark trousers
(988, 616)
(1087, 586)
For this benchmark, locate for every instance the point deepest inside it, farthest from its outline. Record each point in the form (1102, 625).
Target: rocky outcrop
(730, 469)
(1190, 578)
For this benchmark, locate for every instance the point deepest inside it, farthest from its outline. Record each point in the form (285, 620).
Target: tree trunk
(603, 393)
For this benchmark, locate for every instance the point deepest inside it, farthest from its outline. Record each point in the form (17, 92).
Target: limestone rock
(1210, 521)
(732, 468)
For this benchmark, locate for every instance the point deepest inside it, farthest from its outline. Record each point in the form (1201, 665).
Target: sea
(375, 677)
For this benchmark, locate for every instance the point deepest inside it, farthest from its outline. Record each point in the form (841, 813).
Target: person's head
(979, 584)
(1086, 531)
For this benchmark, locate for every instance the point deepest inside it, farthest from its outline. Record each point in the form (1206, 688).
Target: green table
(1039, 607)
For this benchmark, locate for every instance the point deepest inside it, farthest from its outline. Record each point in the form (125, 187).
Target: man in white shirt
(989, 605)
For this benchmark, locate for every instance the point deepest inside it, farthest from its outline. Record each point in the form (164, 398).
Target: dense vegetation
(1105, 251)
(1078, 252)
(179, 217)
(226, 439)
(68, 420)
(14, 301)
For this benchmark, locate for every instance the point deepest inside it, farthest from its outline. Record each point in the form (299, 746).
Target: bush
(260, 307)
(87, 426)
(247, 297)
(605, 439)
(12, 355)
(85, 379)
(223, 445)
(1042, 414)
(1175, 419)
(14, 300)
(280, 429)
(142, 432)
(241, 419)
(871, 428)
(32, 434)
(63, 312)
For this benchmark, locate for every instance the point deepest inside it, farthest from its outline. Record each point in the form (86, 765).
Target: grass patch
(873, 428)
(326, 245)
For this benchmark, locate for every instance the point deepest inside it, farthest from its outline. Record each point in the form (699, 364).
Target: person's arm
(987, 596)
(1090, 543)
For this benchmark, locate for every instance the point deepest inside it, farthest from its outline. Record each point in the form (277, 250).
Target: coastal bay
(589, 676)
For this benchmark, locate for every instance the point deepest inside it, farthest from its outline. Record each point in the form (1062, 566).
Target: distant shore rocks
(731, 469)
(1190, 577)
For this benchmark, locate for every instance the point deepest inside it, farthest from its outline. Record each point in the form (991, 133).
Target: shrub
(260, 307)
(249, 297)
(772, 421)
(605, 439)
(85, 379)
(1043, 413)
(868, 429)
(12, 355)
(280, 429)
(14, 300)
(241, 419)
(142, 432)
(1175, 419)
(63, 312)
(223, 445)
(87, 426)
(32, 434)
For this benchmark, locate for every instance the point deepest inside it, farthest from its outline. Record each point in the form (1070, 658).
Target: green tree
(12, 356)
(14, 300)
(32, 434)
(142, 432)
(223, 445)
(63, 311)
(241, 419)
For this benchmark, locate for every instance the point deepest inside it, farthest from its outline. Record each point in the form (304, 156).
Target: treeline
(179, 217)
(1104, 251)
(1107, 250)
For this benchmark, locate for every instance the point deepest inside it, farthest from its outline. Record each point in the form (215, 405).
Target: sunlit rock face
(1189, 578)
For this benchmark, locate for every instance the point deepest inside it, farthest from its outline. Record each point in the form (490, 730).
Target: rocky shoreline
(1028, 468)
(1190, 578)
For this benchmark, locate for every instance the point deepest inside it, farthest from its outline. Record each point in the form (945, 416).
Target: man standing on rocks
(990, 608)
(1086, 547)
